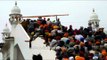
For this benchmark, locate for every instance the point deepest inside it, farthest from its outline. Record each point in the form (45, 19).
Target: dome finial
(93, 10)
(6, 29)
(6, 24)
(15, 2)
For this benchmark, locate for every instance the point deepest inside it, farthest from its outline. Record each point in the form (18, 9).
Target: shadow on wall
(37, 57)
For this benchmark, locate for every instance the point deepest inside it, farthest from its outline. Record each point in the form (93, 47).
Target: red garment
(38, 22)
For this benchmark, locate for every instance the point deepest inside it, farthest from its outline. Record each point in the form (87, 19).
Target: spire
(6, 29)
(93, 10)
(15, 3)
(6, 24)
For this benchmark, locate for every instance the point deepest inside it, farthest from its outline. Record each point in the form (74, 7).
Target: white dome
(16, 9)
(6, 29)
(94, 16)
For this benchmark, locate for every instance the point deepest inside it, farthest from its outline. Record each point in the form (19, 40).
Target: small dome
(6, 29)
(94, 16)
(16, 9)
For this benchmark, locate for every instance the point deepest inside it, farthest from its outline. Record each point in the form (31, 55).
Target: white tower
(15, 16)
(7, 48)
(7, 45)
(94, 21)
(6, 32)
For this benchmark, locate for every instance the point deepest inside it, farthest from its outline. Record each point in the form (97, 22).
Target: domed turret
(6, 29)
(94, 16)
(6, 32)
(15, 9)
(15, 16)
(94, 21)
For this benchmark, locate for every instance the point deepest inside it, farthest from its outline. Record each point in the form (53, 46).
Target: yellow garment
(32, 33)
(55, 27)
(77, 57)
(47, 33)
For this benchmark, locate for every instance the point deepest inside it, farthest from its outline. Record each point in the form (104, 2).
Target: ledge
(9, 38)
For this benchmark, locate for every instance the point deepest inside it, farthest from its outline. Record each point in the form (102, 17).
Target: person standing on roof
(40, 18)
(58, 23)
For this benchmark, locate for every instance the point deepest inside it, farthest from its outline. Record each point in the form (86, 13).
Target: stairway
(37, 45)
(39, 48)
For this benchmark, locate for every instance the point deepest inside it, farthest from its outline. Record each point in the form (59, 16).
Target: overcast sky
(79, 11)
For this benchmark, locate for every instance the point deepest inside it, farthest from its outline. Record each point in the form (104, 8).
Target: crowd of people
(69, 43)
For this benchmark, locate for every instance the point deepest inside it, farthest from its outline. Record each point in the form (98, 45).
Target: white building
(14, 46)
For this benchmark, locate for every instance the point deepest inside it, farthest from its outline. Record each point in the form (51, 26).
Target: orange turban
(104, 52)
(66, 35)
(82, 44)
(79, 58)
